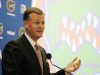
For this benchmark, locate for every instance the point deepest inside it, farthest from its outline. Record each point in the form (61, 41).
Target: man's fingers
(74, 66)
(74, 59)
(72, 62)
(77, 64)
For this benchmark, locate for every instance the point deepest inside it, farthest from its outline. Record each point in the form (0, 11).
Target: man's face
(35, 26)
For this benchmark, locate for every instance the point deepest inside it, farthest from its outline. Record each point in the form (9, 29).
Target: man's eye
(36, 22)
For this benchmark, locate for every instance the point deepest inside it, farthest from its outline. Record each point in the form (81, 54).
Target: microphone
(49, 56)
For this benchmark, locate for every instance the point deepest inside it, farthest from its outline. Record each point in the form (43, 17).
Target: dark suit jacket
(19, 58)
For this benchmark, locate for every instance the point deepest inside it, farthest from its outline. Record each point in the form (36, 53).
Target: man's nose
(41, 25)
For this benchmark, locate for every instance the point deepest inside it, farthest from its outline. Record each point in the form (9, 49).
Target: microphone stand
(60, 68)
(49, 57)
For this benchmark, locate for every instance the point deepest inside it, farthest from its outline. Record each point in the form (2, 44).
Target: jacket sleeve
(60, 72)
(11, 59)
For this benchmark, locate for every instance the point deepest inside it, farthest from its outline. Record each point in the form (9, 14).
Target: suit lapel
(29, 49)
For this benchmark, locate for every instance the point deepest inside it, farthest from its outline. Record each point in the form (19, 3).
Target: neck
(33, 38)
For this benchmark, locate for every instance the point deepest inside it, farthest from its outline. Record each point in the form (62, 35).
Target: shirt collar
(32, 42)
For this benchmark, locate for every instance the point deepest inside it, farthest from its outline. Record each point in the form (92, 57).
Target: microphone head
(49, 56)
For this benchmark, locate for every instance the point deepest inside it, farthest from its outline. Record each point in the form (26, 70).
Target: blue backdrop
(11, 20)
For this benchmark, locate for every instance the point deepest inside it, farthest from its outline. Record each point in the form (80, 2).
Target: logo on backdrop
(1, 28)
(11, 5)
(22, 8)
(21, 31)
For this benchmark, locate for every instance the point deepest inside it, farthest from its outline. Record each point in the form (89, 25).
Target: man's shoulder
(11, 44)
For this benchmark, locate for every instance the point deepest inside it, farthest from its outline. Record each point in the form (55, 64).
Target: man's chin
(40, 36)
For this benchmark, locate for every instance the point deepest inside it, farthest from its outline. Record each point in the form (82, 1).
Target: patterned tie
(38, 53)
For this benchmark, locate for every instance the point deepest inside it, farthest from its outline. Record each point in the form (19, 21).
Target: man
(24, 56)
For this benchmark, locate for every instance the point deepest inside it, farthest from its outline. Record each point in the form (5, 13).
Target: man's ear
(26, 24)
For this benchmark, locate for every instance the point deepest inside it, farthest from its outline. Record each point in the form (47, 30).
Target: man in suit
(20, 57)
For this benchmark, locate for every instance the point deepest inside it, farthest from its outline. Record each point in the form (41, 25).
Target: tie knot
(36, 47)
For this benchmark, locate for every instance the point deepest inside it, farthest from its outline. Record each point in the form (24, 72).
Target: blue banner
(11, 21)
